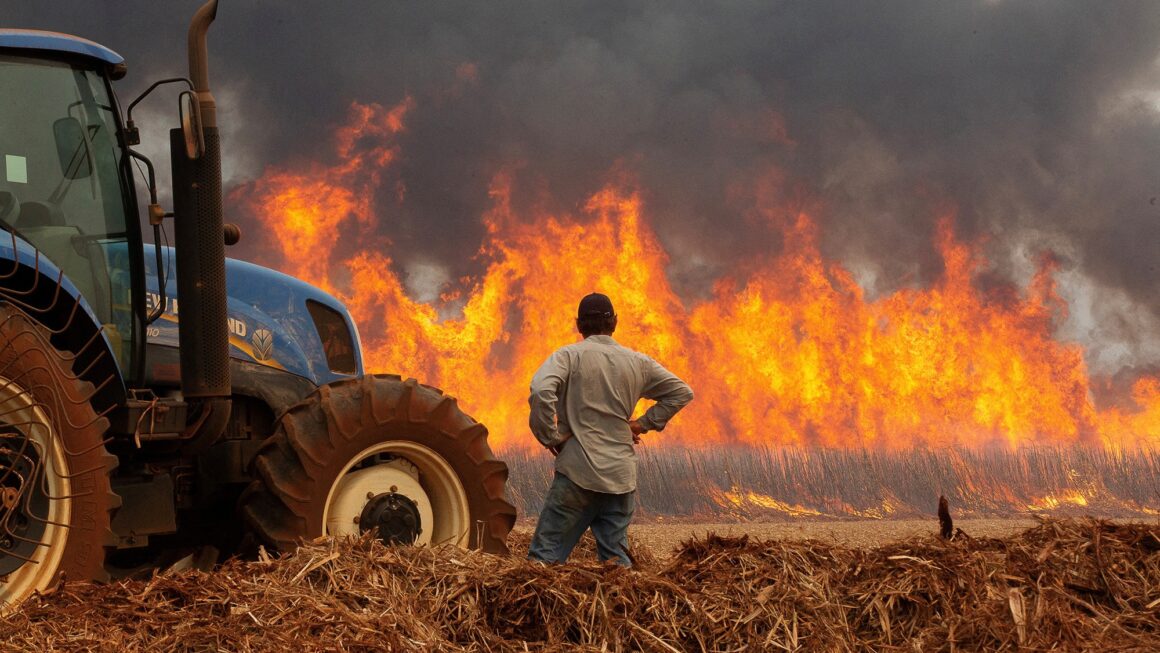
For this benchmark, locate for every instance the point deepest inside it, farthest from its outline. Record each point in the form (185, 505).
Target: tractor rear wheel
(55, 497)
(379, 453)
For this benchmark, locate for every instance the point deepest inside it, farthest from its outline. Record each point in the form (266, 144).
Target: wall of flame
(787, 351)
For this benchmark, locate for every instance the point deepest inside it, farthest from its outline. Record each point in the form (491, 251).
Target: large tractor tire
(55, 497)
(379, 453)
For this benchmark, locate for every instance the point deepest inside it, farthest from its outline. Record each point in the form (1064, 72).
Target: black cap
(595, 304)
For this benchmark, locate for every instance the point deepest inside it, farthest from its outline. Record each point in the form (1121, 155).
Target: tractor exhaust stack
(198, 225)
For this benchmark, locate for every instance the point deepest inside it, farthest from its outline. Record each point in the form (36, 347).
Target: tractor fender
(37, 287)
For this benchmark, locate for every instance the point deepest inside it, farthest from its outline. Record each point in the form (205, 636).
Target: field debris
(1061, 585)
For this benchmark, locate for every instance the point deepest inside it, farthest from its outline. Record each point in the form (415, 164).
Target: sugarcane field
(662, 326)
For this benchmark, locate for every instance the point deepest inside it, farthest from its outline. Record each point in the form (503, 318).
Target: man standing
(581, 407)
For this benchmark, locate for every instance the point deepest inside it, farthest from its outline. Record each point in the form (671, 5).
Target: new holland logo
(263, 342)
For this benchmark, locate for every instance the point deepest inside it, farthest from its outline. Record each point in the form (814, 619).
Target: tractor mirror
(191, 125)
(72, 148)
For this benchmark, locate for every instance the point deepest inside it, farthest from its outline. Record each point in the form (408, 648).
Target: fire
(887, 509)
(787, 351)
(742, 502)
(309, 208)
(1052, 501)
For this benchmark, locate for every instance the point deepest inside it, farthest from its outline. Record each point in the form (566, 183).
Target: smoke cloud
(1037, 124)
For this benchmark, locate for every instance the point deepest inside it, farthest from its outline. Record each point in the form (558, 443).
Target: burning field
(814, 397)
(787, 350)
(1061, 585)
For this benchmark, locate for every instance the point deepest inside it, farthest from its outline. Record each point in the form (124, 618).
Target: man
(581, 408)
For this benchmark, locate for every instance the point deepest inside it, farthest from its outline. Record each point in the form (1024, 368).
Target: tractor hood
(275, 320)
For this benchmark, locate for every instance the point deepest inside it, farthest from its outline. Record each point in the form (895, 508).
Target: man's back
(592, 388)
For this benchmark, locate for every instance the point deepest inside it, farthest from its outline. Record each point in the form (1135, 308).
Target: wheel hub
(23, 503)
(386, 495)
(395, 516)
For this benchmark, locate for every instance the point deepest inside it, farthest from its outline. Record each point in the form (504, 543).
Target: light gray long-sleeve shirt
(588, 390)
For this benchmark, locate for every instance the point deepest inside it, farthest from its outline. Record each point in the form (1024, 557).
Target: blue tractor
(156, 402)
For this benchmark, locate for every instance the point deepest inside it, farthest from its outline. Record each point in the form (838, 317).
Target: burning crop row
(787, 350)
(766, 483)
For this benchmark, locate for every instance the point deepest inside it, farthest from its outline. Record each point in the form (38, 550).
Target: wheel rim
(35, 509)
(437, 492)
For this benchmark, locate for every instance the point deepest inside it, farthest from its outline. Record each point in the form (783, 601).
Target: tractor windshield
(60, 183)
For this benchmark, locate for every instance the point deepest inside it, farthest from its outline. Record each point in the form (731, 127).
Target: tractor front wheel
(379, 454)
(55, 497)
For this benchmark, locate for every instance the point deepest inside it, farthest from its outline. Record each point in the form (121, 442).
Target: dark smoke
(1034, 122)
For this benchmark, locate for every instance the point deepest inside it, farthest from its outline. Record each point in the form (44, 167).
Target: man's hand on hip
(638, 429)
(560, 447)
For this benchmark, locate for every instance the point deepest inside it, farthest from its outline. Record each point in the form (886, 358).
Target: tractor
(163, 404)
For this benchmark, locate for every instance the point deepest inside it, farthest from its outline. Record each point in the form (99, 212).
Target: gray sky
(1038, 121)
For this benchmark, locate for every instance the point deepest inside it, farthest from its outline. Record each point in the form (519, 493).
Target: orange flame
(308, 208)
(790, 352)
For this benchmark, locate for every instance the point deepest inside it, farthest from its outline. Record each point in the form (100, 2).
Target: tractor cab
(65, 184)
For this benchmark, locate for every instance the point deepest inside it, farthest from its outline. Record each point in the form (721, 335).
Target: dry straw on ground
(1062, 585)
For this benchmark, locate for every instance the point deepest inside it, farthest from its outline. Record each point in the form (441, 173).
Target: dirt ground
(662, 538)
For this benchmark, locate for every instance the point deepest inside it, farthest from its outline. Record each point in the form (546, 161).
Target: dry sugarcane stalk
(1048, 587)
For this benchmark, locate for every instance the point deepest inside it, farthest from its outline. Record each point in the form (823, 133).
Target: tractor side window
(60, 183)
(336, 339)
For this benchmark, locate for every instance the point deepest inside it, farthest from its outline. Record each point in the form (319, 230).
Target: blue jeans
(569, 510)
